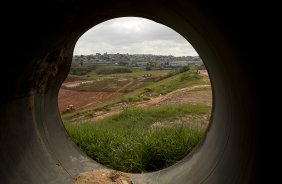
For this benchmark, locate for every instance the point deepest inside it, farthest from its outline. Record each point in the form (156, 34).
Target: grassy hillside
(146, 91)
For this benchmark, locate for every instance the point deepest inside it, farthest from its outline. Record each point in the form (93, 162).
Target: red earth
(80, 99)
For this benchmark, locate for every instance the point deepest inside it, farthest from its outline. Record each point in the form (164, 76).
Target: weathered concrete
(34, 145)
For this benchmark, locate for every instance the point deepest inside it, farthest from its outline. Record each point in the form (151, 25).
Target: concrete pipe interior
(34, 145)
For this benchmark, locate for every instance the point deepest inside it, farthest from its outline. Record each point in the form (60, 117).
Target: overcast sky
(133, 36)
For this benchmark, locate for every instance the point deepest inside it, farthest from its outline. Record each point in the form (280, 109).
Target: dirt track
(200, 94)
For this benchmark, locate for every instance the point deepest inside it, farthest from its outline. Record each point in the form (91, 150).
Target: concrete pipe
(39, 41)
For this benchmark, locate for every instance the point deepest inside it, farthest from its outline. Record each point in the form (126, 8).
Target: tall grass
(127, 141)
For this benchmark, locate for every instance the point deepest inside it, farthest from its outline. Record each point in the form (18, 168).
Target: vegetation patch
(164, 86)
(130, 142)
(113, 70)
(103, 84)
(81, 70)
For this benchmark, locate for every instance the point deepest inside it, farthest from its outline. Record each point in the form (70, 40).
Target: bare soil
(69, 95)
(103, 176)
(80, 99)
(199, 94)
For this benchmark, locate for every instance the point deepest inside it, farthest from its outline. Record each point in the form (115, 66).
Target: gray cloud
(133, 36)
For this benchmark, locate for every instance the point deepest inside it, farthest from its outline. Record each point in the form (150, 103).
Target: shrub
(107, 71)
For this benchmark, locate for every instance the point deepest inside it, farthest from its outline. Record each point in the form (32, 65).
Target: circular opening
(138, 97)
(227, 153)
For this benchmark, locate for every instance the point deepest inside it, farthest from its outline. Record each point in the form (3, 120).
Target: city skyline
(133, 35)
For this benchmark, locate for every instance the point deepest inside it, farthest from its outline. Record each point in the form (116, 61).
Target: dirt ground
(103, 176)
(80, 99)
(68, 95)
(200, 94)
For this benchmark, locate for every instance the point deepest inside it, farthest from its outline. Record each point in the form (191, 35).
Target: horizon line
(134, 54)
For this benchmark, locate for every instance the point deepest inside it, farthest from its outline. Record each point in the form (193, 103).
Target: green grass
(107, 84)
(128, 142)
(162, 87)
(113, 70)
(136, 72)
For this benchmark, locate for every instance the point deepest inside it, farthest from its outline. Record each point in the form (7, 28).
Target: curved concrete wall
(34, 145)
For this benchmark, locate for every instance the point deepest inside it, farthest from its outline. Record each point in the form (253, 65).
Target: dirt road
(199, 94)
